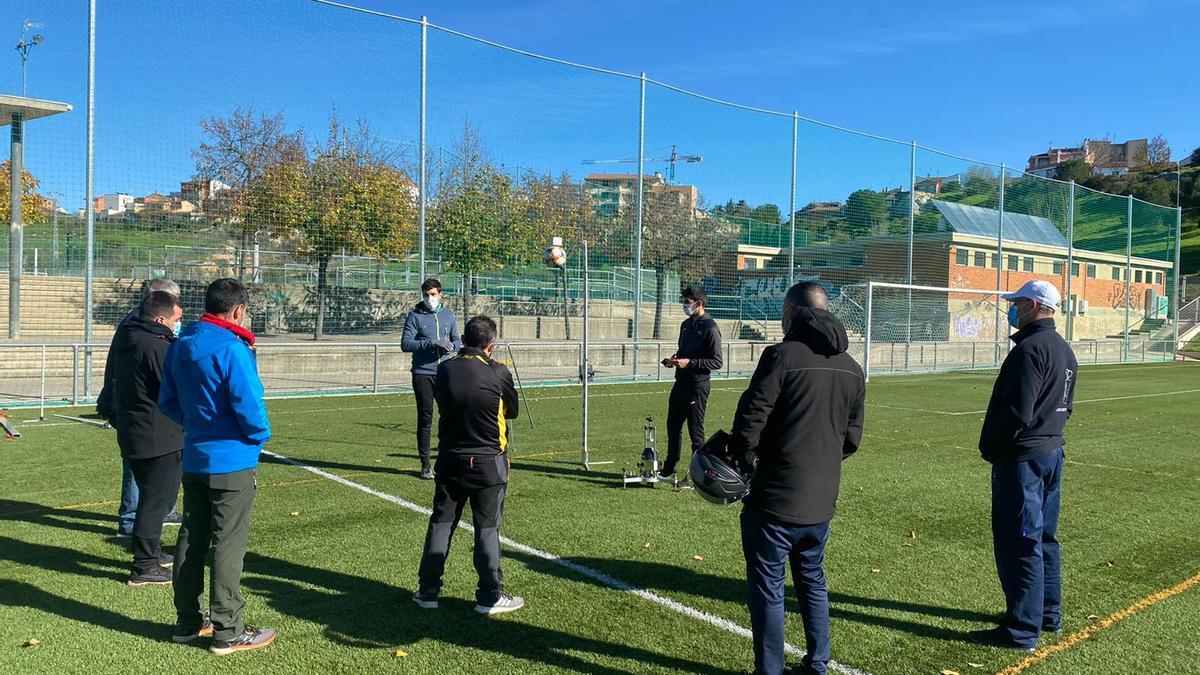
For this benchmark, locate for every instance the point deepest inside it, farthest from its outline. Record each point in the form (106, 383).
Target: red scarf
(237, 330)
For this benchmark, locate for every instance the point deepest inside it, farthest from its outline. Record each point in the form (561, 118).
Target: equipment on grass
(716, 475)
(10, 429)
(520, 387)
(648, 466)
(83, 420)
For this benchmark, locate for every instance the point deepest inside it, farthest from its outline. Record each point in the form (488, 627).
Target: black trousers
(688, 401)
(157, 479)
(216, 515)
(423, 389)
(487, 509)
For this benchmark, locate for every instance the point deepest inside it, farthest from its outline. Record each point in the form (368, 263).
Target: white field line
(1086, 400)
(582, 570)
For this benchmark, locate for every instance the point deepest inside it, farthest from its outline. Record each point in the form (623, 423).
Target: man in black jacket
(150, 443)
(801, 416)
(475, 398)
(1022, 438)
(698, 355)
(127, 509)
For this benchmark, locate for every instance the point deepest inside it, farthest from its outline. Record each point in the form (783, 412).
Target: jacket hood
(200, 340)
(135, 330)
(823, 332)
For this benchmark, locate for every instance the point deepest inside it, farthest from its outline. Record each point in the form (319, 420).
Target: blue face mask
(177, 328)
(1014, 317)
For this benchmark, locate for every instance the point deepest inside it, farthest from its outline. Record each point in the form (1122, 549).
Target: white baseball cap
(1043, 292)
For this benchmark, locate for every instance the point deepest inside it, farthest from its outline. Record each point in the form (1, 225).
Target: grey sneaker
(158, 576)
(426, 599)
(251, 638)
(503, 605)
(426, 473)
(174, 519)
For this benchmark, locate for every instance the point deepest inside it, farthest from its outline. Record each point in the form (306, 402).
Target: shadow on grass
(341, 466)
(675, 580)
(65, 560)
(370, 614)
(68, 519)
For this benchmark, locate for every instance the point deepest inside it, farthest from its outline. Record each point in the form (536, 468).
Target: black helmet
(715, 475)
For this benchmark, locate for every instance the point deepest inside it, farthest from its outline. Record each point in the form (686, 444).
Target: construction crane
(674, 159)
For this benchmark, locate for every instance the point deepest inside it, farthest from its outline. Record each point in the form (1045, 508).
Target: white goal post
(945, 316)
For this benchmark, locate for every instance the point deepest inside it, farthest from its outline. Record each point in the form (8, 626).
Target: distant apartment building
(110, 205)
(199, 190)
(614, 192)
(1105, 157)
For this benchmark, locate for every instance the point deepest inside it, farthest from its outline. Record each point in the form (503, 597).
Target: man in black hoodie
(698, 355)
(801, 416)
(150, 443)
(1022, 438)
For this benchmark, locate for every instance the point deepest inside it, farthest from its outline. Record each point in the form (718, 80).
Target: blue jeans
(127, 511)
(1025, 501)
(769, 545)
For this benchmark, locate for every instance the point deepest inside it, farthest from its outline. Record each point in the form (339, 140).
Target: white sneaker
(506, 603)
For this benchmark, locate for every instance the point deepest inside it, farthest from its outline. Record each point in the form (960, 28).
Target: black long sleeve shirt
(700, 343)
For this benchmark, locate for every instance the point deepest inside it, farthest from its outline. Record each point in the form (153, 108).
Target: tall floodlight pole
(792, 201)
(89, 266)
(1071, 309)
(637, 251)
(421, 168)
(23, 48)
(583, 359)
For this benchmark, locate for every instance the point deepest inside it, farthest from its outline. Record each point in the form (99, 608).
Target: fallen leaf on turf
(295, 513)
(378, 461)
(697, 557)
(646, 545)
(908, 545)
(912, 534)
(400, 653)
(975, 665)
(947, 671)
(1092, 617)
(1109, 563)
(875, 570)
(33, 642)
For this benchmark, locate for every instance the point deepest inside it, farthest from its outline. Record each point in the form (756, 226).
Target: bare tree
(1158, 153)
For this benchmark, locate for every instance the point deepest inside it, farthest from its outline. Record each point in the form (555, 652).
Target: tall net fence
(333, 158)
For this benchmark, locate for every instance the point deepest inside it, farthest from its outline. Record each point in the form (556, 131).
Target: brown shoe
(251, 638)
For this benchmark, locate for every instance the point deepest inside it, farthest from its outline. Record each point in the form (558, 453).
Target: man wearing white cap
(1022, 438)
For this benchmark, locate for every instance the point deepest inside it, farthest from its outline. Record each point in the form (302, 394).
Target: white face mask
(177, 328)
(688, 308)
(432, 303)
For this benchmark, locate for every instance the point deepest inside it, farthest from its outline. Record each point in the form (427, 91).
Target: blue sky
(983, 80)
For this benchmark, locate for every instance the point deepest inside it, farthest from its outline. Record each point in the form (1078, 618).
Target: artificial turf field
(909, 559)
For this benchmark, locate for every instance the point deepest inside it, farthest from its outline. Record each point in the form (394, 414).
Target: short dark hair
(159, 303)
(480, 332)
(695, 293)
(223, 295)
(808, 294)
(430, 284)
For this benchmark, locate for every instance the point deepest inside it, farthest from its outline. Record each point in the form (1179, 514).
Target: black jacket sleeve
(105, 407)
(756, 403)
(711, 350)
(508, 392)
(854, 429)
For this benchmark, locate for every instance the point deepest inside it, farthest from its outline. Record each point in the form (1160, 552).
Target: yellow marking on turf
(1127, 469)
(106, 502)
(1107, 622)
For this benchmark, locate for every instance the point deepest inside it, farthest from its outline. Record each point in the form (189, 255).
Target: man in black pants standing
(475, 397)
(151, 444)
(699, 354)
(430, 334)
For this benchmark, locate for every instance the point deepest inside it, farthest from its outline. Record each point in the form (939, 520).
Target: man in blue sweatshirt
(431, 335)
(210, 386)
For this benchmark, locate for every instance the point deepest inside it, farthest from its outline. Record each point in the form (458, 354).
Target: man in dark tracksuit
(475, 397)
(1022, 438)
(431, 335)
(127, 510)
(151, 444)
(801, 416)
(698, 354)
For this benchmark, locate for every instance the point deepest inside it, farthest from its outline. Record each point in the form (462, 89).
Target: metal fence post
(1000, 258)
(74, 374)
(1128, 272)
(912, 211)
(637, 251)
(421, 168)
(89, 266)
(1071, 309)
(792, 201)
(1178, 270)
(375, 368)
(867, 334)
(42, 394)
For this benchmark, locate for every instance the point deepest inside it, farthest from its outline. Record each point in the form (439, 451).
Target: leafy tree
(766, 213)
(866, 213)
(33, 205)
(1158, 191)
(1073, 169)
(1194, 158)
(342, 195)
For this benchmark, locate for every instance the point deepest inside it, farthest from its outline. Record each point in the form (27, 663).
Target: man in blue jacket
(211, 388)
(431, 335)
(1022, 438)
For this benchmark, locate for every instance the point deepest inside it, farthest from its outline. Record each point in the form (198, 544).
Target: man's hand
(668, 362)
(682, 363)
(445, 346)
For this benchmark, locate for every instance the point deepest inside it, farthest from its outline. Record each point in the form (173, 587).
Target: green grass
(333, 568)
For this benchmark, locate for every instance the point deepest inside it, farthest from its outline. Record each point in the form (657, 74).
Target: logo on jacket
(1067, 382)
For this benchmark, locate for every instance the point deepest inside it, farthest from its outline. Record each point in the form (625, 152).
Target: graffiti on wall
(766, 293)
(968, 326)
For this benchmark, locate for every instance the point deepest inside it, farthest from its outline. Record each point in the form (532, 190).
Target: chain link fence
(332, 158)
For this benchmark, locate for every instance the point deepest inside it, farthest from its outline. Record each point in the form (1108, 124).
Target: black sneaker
(158, 576)
(427, 599)
(121, 534)
(996, 637)
(504, 604)
(184, 635)
(166, 560)
(251, 638)
(174, 519)
(426, 473)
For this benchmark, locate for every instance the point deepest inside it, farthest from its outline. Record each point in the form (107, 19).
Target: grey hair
(161, 284)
